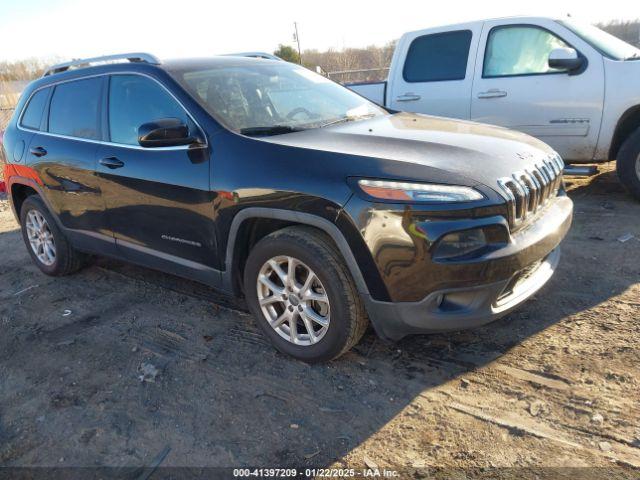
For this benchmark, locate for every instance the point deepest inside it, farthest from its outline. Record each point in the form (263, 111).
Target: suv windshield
(271, 98)
(605, 43)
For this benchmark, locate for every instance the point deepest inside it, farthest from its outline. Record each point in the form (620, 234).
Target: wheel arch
(276, 219)
(19, 189)
(629, 121)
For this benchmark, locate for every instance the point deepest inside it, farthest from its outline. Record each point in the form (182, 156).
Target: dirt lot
(554, 385)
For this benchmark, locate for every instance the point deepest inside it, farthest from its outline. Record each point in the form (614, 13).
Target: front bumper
(507, 277)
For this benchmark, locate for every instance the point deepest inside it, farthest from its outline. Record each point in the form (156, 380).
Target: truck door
(433, 71)
(514, 86)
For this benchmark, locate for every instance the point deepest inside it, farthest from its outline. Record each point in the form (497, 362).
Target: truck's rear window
(438, 57)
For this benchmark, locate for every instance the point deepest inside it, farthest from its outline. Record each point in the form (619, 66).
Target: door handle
(38, 151)
(408, 97)
(493, 93)
(112, 162)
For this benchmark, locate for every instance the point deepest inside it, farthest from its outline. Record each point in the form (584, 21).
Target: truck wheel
(47, 245)
(628, 164)
(302, 295)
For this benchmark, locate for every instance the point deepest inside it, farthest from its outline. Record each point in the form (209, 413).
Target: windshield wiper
(635, 56)
(269, 130)
(351, 118)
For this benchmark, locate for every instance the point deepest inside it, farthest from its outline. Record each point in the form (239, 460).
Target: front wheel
(302, 295)
(628, 164)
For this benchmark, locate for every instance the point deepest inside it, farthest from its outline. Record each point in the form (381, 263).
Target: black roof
(171, 65)
(213, 62)
(167, 70)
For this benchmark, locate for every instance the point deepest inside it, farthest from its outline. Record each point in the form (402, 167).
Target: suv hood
(475, 152)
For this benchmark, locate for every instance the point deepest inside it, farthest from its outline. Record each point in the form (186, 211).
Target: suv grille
(529, 190)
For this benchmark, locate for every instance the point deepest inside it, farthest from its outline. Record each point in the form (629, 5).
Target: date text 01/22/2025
(314, 473)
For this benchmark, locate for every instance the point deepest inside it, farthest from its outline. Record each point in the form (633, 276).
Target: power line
(296, 37)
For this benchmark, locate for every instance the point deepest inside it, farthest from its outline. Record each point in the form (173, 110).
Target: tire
(628, 164)
(347, 319)
(66, 259)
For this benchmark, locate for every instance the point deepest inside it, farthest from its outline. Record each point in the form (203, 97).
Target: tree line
(376, 60)
(373, 57)
(627, 30)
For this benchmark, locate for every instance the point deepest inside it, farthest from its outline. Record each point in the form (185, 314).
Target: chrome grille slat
(521, 198)
(529, 190)
(556, 185)
(503, 183)
(548, 172)
(538, 190)
(553, 162)
(547, 180)
(543, 187)
(557, 161)
(532, 204)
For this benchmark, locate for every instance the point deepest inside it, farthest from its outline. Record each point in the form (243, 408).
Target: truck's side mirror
(565, 59)
(164, 132)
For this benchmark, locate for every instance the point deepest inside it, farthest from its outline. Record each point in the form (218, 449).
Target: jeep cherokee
(265, 180)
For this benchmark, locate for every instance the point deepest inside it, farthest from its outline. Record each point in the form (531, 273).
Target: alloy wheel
(40, 238)
(293, 300)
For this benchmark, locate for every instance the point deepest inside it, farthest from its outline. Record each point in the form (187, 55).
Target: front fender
(299, 218)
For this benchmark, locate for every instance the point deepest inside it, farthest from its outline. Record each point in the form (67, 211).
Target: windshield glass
(273, 97)
(605, 43)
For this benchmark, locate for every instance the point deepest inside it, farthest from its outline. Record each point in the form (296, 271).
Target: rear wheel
(302, 295)
(628, 164)
(47, 245)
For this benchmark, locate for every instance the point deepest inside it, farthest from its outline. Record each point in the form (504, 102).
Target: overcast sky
(75, 28)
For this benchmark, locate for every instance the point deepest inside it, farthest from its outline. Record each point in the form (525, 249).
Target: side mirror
(565, 59)
(164, 132)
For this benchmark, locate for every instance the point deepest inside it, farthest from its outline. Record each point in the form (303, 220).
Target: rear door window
(32, 116)
(75, 109)
(438, 57)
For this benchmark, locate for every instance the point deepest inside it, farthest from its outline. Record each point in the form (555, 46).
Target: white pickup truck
(570, 84)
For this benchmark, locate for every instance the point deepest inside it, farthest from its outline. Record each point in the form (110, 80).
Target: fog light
(460, 243)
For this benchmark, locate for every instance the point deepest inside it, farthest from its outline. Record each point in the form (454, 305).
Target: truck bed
(374, 91)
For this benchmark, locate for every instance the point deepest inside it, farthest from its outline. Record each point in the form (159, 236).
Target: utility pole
(296, 37)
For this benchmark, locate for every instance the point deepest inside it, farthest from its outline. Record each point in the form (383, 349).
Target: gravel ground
(124, 367)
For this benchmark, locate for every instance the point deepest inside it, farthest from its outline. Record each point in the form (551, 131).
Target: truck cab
(567, 83)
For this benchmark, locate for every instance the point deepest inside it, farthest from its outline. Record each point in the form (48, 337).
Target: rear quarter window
(74, 109)
(32, 116)
(438, 57)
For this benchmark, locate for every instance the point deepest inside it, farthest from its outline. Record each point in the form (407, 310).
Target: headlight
(457, 244)
(418, 192)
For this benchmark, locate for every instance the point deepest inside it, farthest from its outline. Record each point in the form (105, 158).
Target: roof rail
(265, 55)
(132, 57)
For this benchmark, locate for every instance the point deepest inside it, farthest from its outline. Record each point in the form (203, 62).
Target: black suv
(265, 180)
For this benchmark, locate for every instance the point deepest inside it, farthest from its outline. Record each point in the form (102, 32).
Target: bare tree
(13, 78)
(27, 69)
(627, 30)
(373, 60)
